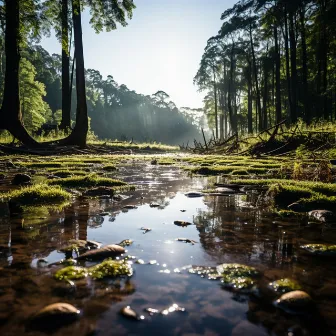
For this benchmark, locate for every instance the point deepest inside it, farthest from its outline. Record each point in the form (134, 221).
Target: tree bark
(255, 71)
(293, 53)
(10, 113)
(216, 103)
(79, 134)
(278, 116)
(249, 99)
(66, 98)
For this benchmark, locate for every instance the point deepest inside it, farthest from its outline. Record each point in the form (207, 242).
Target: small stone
(21, 179)
(294, 301)
(154, 162)
(154, 205)
(102, 253)
(130, 207)
(145, 230)
(194, 194)
(130, 313)
(54, 316)
(181, 223)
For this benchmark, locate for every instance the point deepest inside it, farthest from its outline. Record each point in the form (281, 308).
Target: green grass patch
(86, 182)
(37, 194)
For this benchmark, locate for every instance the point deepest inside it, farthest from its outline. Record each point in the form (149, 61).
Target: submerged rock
(126, 242)
(294, 302)
(154, 205)
(54, 316)
(79, 245)
(181, 223)
(20, 179)
(110, 268)
(131, 314)
(320, 249)
(323, 216)
(284, 285)
(102, 253)
(194, 194)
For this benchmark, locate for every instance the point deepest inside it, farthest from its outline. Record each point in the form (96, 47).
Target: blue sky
(160, 49)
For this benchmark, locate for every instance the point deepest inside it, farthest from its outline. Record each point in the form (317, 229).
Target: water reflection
(225, 229)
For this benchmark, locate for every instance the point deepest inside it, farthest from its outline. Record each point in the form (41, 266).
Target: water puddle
(169, 298)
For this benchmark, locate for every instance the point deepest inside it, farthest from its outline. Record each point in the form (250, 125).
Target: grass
(37, 194)
(87, 181)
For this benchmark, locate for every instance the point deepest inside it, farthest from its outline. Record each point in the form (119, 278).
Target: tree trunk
(216, 103)
(265, 95)
(289, 93)
(66, 98)
(233, 121)
(79, 133)
(249, 99)
(278, 116)
(292, 41)
(10, 113)
(255, 70)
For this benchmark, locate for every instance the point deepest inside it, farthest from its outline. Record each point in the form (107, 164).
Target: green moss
(109, 168)
(63, 173)
(284, 195)
(110, 268)
(86, 182)
(41, 164)
(71, 273)
(319, 202)
(320, 249)
(37, 194)
(237, 283)
(239, 172)
(284, 285)
(237, 270)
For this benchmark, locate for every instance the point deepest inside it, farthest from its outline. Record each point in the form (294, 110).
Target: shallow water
(225, 228)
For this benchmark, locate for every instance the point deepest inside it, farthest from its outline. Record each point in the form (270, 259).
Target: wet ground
(225, 229)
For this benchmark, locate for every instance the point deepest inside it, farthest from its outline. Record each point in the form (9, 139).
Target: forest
(270, 61)
(43, 94)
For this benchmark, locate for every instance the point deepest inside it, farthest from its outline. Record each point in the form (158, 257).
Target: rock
(102, 253)
(181, 223)
(186, 240)
(297, 207)
(126, 242)
(294, 302)
(154, 162)
(145, 230)
(320, 249)
(154, 205)
(105, 214)
(323, 216)
(130, 207)
(130, 313)
(20, 179)
(194, 194)
(79, 245)
(284, 285)
(54, 316)
(223, 190)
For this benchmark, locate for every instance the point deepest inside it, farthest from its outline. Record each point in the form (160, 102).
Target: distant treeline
(115, 111)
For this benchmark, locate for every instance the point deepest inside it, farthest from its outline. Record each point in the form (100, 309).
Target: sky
(160, 49)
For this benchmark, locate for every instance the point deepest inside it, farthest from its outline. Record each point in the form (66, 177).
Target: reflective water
(225, 229)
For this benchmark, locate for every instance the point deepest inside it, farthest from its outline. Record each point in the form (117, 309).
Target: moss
(284, 285)
(41, 164)
(319, 202)
(63, 173)
(237, 283)
(237, 270)
(110, 268)
(71, 273)
(86, 182)
(320, 249)
(284, 195)
(38, 194)
(239, 172)
(109, 168)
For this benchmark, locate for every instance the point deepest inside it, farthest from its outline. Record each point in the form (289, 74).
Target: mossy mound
(37, 194)
(320, 249)
(87, 181)
(110, 268)
(284, 285)
(71, 273)
(109, 168)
